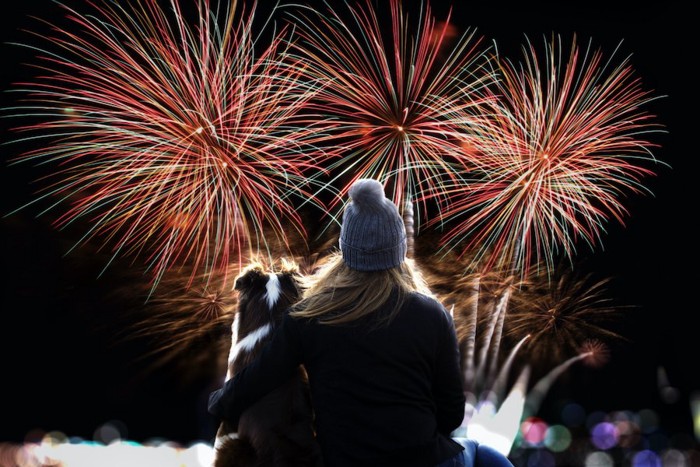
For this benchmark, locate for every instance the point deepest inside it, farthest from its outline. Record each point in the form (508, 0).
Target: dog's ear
(291, 279)
(289, 283)
(251, 276)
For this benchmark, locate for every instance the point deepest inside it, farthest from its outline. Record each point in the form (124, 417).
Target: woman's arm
(276, 364)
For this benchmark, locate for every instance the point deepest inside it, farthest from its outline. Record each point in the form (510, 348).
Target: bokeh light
(646, 458)
(533, 430)
(604, 435)
(110, 432)
(539, 444)
(675, 458)
(541, 458)
(599, 459)
(557, 438)
(56, 451)
(628, 433)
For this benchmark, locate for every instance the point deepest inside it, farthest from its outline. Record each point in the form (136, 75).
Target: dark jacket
(387, 395)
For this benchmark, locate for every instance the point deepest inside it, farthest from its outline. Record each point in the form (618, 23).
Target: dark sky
(63, 371)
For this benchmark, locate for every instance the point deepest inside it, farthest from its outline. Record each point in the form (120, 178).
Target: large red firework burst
(174, 134)
(394, 86)
(565, 144)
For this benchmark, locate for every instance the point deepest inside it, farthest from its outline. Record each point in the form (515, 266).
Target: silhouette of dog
(278, 430)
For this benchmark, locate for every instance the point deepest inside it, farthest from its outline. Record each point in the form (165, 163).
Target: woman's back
(398, 383)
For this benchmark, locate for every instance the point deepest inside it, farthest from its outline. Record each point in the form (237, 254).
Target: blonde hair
(338, 294)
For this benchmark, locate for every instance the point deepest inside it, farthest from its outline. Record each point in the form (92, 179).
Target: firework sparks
(391, 98)
(562, 317)
(562, 148)
(182, 325)
(178, 326)
(596, 353)
(179, 144)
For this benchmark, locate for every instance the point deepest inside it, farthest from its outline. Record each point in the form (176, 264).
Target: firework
(391, 94)
(558, 154)
(516, 337)
(176, 326)
(176, 143)
(562, 316)
(185, 325)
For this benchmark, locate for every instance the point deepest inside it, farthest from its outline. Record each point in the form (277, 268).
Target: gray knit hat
(372, 236)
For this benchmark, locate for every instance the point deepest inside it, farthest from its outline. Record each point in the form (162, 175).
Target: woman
(381, 353)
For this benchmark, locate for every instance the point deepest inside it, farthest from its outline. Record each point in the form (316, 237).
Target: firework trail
(512, 332)
(536, 395)
(175, 143)
(560, 151)
(391, 94)
(492, 416)
(494, 410)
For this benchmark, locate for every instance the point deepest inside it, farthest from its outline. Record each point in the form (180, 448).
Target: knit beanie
(372, 235)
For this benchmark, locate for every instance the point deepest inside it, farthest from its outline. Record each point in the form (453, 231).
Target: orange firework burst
(562, 317)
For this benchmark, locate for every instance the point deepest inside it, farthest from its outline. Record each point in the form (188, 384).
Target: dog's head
(264, 296)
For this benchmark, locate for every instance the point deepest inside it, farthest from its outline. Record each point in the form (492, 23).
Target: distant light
(599, 459)
(604, 435)
(90, 453)
(557, 438)
(533, 430)
(110, 432)
(646, 458)
(675, 458)
(541, 458)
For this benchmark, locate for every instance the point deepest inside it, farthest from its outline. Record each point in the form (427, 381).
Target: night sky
(66, 363)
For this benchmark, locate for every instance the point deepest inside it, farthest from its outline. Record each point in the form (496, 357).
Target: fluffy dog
(278, 430)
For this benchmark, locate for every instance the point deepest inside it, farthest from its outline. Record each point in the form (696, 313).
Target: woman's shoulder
(427, 303)
(423, 298)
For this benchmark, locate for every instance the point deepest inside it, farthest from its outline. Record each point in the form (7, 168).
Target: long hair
(338, 294)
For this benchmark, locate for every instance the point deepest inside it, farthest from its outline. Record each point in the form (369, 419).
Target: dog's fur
(278, 430)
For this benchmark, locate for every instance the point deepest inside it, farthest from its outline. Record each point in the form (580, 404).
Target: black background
(63, 371)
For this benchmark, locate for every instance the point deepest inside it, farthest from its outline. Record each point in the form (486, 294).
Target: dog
(278, 431)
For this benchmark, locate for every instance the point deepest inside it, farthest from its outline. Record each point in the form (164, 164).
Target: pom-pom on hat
(372, 235)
